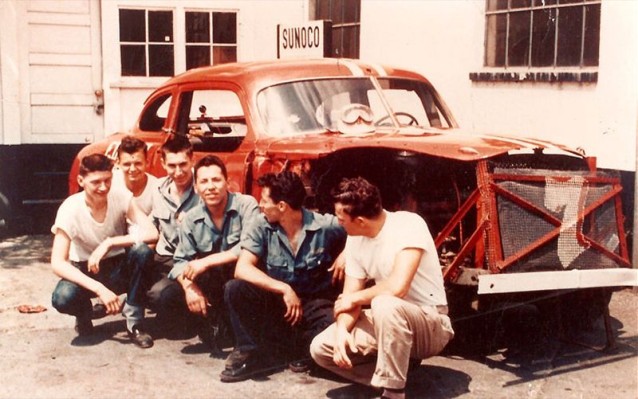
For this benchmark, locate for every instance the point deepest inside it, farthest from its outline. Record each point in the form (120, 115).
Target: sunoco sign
(312, 39)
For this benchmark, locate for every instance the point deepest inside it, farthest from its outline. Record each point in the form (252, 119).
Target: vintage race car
(509, 215)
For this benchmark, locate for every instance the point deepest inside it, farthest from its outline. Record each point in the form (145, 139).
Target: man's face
(268, 207)
(96, 184)
(133, 165)
(179, 167)
(352, 226)
(212, 186)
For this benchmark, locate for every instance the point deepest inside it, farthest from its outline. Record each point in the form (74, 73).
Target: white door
(63, 83)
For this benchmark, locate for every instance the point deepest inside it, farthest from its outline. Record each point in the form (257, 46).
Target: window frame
(147, 43)
(339, 26)
(534, 7)
(210, 44)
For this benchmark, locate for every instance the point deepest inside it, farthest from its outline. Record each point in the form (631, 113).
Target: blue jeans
(121, 274)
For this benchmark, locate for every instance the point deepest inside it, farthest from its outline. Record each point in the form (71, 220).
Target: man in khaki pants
(407, 314)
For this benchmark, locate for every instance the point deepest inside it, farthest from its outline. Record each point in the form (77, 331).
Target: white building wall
(256, 38)
(444, 40)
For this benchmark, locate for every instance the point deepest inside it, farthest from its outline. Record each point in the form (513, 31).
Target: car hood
(449, 143)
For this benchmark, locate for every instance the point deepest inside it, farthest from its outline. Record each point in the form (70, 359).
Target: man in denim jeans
(284, 289)
(95, 256)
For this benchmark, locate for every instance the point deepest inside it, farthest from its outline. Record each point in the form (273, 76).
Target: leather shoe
(98, 311)
(239, 366)
(299, 366)
(140, 338)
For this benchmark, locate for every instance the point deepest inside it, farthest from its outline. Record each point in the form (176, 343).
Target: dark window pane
(518, 46)
(224, 27)
(351, 10)
(160, 60)
(592, 35)
(133, 60)
(543, 39)
(520, 3)
(337, 42)
(336, 12)
(197, 56)
(132, 26)
(160, 26)
(494, 5)
(350, 42)
(322, 9)
(570, 1)
(545, 2)
(495, 44)
(223, 55)
(570, 29)
(197, 27)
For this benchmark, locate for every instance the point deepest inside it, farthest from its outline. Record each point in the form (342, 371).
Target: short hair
(284, 186)
(131, 145)
(95, 163)
(211, 160)
(359, 197)
(177, 143)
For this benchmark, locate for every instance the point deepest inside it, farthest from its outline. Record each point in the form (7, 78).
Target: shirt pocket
(279, 267)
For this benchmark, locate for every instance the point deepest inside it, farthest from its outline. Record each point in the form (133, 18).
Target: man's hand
(293, 306)
(344, 303)
(110, 300)
(193, 269)
(93, 263)
(343, 342)
(195, 299)
(338, 269)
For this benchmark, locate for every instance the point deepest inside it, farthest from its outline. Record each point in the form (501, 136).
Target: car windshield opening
(312, 106)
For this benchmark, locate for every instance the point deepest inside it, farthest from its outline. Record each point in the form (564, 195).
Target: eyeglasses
(355, 112)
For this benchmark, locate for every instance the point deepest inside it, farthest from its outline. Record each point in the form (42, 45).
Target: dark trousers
(257, 318)
(121, 274)
(167, 298)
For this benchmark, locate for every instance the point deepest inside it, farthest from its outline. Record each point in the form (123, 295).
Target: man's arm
(397, 284)
(345, 322)
(247, 270)
(142, 230)
(64, 269)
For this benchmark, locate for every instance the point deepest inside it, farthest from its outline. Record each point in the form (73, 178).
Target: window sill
(138, 82)
(550, 77)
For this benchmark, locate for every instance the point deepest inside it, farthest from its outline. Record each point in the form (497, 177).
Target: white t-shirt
(373, 258)
(145, 200)
(74, 218)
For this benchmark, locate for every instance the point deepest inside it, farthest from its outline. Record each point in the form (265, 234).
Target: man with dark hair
(407, 314)
(174, 197)
(283, 289)
(131, 172)
(208, 247)
(89, 251)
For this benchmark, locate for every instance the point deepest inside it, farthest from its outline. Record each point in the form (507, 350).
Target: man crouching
(407, 314)
(89, 251)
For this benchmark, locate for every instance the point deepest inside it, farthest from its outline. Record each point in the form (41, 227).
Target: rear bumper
(542, 281)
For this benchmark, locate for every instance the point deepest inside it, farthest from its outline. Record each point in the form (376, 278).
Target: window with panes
(211, 38)
(542, 33)
(346, 24)
(146, 42)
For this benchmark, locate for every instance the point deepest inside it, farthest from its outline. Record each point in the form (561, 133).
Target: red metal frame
(487, 231)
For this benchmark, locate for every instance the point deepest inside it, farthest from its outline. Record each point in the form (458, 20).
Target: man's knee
(234, 291)
(140, 254)
(166, 294)
(64, 297)
(320, 347)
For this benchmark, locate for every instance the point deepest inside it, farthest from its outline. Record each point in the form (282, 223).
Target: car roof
(253, 76)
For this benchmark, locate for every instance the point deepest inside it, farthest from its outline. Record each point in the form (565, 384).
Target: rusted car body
(509, 215)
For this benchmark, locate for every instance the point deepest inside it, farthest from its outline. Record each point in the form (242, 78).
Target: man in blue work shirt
(284, 288)
(171, 200)
(208, 247)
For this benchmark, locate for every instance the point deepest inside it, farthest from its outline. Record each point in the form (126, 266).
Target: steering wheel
(412, 121)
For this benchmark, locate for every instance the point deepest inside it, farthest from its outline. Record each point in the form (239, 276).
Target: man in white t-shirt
(403, 316)
(130, 173)
(95, 256)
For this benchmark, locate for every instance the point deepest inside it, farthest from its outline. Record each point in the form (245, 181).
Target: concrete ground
(42, 358)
